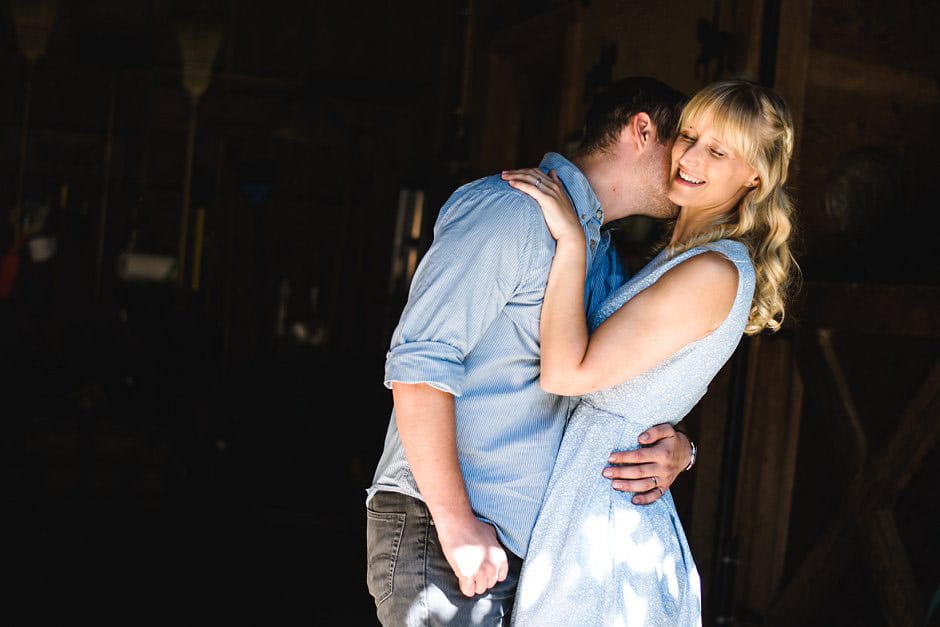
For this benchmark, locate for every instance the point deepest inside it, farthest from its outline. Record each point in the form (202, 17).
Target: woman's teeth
(689, 179)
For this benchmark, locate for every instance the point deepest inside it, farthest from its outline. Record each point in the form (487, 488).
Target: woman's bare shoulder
(705, 284)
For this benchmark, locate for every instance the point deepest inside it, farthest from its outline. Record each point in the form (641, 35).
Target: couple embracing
(527, 463)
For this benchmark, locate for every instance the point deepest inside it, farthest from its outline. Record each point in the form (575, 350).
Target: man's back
(471, 328)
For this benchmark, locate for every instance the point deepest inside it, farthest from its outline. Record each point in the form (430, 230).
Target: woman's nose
(689, 157)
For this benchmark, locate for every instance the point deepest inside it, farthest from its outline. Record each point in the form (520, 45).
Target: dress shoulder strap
(733, 250)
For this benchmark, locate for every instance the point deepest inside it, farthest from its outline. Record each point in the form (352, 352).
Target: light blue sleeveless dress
(595, 558)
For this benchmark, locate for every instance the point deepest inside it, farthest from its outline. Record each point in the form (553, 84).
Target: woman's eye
(686, 137)
(717, 153)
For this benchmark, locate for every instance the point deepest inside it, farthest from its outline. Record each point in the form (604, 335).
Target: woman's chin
(675, 196)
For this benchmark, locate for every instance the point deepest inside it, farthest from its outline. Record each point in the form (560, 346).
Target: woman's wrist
(572, 239)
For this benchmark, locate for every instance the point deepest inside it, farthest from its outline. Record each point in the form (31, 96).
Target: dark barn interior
(212, 210)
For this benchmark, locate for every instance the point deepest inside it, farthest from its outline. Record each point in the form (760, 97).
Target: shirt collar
(579, 189)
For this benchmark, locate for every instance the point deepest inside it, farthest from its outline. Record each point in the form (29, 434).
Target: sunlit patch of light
(608, 541)
(642, 557)
(695, 583)
(614, 621)
(669, 572)
(480, 609)
(598, 557)
(637, 606)
(569, 580)
(438, 605)
(538, 574)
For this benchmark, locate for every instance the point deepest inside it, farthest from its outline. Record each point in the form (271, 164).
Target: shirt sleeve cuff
(437, 364)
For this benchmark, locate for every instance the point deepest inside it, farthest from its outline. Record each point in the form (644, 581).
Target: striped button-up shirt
(470, 327)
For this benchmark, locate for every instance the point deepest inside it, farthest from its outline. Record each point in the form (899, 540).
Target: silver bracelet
(694, 451)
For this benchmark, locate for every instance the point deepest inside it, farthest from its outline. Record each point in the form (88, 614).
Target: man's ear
(642, 131)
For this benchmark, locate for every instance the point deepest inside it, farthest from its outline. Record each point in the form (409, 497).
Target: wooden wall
(813, 501)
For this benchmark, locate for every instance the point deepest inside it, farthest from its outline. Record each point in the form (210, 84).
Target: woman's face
(706, 172)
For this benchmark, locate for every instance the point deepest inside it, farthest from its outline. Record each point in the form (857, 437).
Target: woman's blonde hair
(756, 123)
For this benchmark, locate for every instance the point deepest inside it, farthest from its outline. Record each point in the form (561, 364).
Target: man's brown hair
(613, 109)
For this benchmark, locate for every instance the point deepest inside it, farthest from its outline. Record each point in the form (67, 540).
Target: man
(472, 437)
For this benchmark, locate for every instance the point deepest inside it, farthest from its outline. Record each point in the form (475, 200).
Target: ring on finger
(538, 181)
(661, 493)
(655, 482)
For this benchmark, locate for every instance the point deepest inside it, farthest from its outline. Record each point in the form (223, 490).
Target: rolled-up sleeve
(434, 363)
(481, 251)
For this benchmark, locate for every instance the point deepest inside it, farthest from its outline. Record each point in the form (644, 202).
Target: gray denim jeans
(411, 581)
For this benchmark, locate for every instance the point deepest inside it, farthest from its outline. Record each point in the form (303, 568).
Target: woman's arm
(562, 325)
(685, 304)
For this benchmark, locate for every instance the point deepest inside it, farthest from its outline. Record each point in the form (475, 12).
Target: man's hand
(475, 555)
(426, 424)
(651, 469)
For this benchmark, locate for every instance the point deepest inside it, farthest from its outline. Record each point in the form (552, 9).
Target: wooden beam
(893, 579)
(849, 415)
(546, 27)
(902, 310)
(863, 77)
(897, 461)
(819, 574)
(915, 436)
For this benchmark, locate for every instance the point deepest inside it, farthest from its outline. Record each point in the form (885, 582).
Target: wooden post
(187, 187)
(765, 478)
(793, 55)
(106, 187)
(712, 417)
(571, 81)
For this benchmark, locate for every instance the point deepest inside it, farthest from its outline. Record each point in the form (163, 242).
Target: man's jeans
(410, 579)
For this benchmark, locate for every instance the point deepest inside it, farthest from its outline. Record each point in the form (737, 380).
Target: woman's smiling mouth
(688, 180)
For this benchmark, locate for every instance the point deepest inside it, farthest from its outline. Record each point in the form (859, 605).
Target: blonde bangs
(734, 115)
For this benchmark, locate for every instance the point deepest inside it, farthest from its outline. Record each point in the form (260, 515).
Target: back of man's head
(613, 109)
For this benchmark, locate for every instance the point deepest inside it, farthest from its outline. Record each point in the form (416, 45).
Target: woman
(647, 356)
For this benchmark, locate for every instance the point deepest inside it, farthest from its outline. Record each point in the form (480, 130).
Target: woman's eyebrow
(720, 142)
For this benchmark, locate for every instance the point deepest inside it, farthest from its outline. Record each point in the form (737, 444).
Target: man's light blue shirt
(471, 328)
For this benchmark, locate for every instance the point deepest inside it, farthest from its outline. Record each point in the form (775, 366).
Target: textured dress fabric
(595, 558)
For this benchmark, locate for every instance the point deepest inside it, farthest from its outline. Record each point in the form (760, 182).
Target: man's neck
(596, 168)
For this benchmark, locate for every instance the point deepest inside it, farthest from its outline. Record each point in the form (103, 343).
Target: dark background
(197, 451)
